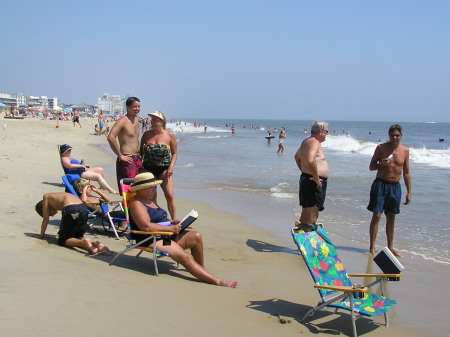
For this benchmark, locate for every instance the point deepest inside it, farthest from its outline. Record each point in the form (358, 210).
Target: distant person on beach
(311, 161)
(101, 121)
(146, 215)
(390, 159)
(75, 117)
(159, 155)
(126, 129)
(281, 137)
(73, 221)
(73, 166)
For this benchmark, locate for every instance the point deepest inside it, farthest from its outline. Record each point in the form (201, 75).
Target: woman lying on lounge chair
(73, 166)
(145, 215)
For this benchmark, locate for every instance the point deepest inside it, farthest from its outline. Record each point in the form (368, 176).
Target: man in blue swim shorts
(389, 160)
(310, 159)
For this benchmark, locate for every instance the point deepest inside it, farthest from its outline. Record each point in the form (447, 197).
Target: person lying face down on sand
(73, 221)
(145, 215)
(85, 189)
(73, 166)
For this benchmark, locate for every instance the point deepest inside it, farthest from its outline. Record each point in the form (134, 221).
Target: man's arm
(113, 133)
(374, 162)
(407, 178)
(45, 214)
(313, 149)
(298, 159)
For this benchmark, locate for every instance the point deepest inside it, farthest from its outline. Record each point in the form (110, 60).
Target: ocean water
(243, 174)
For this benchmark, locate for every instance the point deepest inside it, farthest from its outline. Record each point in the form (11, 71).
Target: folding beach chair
(107, 221)
(334, 285)
(142, 245)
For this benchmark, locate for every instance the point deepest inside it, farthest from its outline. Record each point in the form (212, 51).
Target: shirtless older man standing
(310, 159)
(389, 159)
(126, 129)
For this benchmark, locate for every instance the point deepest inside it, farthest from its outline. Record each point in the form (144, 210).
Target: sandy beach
(48, 290)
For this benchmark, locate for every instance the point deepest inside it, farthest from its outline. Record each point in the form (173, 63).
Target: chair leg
(130, 248)
(353, 318)
(155, 260)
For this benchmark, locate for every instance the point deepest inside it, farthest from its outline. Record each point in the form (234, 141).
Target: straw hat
(64, 148)
(144, 180)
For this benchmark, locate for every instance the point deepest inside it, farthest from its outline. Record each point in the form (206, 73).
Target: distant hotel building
(19, 100)
(110, 103)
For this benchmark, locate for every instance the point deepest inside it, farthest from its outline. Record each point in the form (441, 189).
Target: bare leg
(373, 230)
(309, 215)
(390, 224)
(94, 174)
(167, 187)
(178, 254)
(194, 242)
(84, 243)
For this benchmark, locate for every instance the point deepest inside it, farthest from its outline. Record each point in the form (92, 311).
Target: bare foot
(396, 253)
(230, 284)
(123, 227)
(101, 248)
(114, 192)
(372, 251)
(89, 246)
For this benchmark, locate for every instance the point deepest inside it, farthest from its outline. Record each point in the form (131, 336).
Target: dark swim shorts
(128, 170)
(310, 195)
(385, 196)
(73, 223)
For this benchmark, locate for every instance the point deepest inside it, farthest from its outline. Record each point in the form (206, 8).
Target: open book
(185, 222)
(188, 219)
(387, 262)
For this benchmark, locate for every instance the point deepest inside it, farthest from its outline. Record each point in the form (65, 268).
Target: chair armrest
(115, 201)
(92, 203)
(375, 275)
(150, 233)
(343, 288)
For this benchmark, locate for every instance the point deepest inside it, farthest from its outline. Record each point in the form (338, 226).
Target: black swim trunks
(385, 196)
(73, 223)
(309, 194)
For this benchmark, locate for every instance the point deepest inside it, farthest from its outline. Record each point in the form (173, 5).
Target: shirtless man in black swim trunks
(389, 160)
(76, 117)
(310, 159)
(73, 221)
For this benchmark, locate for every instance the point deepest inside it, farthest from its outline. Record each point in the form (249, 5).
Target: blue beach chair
(334, 285)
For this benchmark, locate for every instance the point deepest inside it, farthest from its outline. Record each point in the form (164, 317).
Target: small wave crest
(190, 165)
(282, 191)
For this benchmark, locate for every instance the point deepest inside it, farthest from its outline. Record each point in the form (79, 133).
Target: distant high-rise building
(110, 103)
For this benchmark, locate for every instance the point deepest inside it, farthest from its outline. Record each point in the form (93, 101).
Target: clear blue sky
(331, 60)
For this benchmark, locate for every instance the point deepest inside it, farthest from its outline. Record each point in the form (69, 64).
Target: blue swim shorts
(385, 196)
